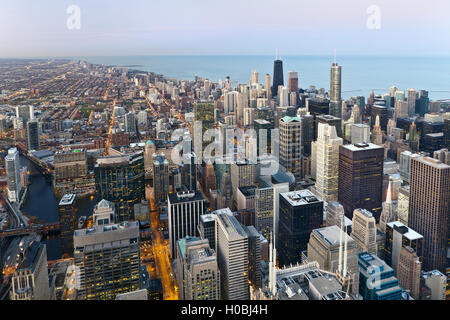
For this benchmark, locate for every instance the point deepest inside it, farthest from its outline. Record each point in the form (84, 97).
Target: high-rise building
(327, 245)
(120, 179)
(411, 99)
(185, 208)
(335, 90)
(24, 112)
(130, 123)
(207, 229)
(335, 214)
(330, 120)
(197, 271)
(408, 271)
(267, 87)
(436, 282)
(107, 257)
(398, 236)
(327, 162)
(12, 166)
(291, 145)
(377, 280)
(283, 95)
(364, 231)
(189, 171)
(30, 279)
(360, 133)
(243, 174)
(300, 213)
(160, 177)
(293, 81)
(264, 218)
(33, 140)
(405, 164)
(67, 212)
(232, 257)
(429, 207)
(254, 78)
(278, 79)
(361, 178)
(71, 170)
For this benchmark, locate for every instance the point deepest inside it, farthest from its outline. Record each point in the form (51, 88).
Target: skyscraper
(107, 258)
(300, 213)
(160, 177)
(293, 81)
(232, 257)
(30, 279)
(335, 90)
(291, 144)
(411, 99)
(278, 79)
(361, 178)
(327, 162)
(12, 166)
(364, 231)
(429, 205)
(197, 271)
(120, 179)
(267, 86)
(67, 212)
(408, 271)
(33, 140)
(185, 208)
(130, 122)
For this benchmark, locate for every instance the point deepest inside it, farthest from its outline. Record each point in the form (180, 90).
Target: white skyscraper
(12, 166)
(284, 97)
(232, 255)
(327, 162)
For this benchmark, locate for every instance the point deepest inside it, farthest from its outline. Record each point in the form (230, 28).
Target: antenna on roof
(276, 54)
(334, 55)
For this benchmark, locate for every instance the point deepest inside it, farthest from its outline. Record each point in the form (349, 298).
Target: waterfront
(360, 74)
(42, 204)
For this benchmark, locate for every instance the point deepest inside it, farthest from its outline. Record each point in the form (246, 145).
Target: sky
(38, 28)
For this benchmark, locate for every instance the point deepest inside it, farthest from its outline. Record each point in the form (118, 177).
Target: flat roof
(361, 146)
(300, 197)
(67, 199)
(410, 234)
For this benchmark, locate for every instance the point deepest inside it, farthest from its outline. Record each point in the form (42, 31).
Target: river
(41, 203)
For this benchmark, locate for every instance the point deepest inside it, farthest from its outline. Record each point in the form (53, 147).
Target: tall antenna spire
(334, 55)
(276, 54)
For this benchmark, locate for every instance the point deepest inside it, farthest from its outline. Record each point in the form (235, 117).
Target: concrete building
(30, 279)
(68, 218)
(429, 207)
(436, 282)
(33, 135)
(197, 271)
(327, 162)
(335, 90)
(232, 257)
(408, 271)
(364, 231)
(326, 246)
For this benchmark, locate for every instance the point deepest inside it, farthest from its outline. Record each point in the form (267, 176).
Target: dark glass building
(278, 79)
(67, 211)
(300, 213)
(361, 178)
(121, 180)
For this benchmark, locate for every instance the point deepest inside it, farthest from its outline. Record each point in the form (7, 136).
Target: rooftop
(361, 146)
(67, 199)
(300, 197)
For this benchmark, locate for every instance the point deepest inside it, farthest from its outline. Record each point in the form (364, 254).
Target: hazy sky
(34, 28)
